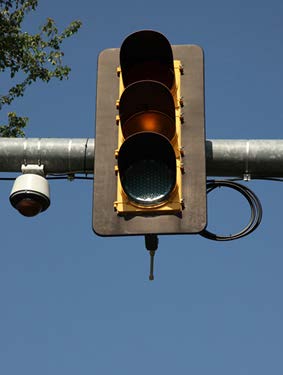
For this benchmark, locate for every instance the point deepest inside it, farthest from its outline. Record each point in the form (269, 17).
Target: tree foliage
(28, 58)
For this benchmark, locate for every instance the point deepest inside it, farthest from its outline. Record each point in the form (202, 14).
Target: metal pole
(58, 155)
(224, 157)
(254, 158)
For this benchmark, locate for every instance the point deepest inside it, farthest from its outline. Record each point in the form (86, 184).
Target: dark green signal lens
(147, 167)
(148, 182)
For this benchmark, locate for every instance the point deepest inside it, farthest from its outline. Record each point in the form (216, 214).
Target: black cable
(66, 177)
(53, 177)
(255, 205)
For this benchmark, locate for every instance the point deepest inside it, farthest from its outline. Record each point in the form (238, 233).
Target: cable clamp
(247, 177)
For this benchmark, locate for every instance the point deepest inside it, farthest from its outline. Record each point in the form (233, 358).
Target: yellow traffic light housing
(149, 134)
(150, 140)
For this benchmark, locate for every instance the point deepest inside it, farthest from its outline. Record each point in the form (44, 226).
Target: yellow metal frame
(175, 202)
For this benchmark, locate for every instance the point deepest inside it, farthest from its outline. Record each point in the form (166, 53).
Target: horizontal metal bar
(254, 158)
(224, 157)
(58, 155)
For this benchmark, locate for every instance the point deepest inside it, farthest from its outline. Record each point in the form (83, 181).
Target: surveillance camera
(30, 194)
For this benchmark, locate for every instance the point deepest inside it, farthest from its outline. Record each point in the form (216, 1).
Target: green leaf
(34, 56)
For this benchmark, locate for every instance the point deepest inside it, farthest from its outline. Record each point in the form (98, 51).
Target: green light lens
(147, 168)
(148, 182)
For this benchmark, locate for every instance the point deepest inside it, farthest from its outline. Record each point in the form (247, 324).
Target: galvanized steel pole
(254, 158)
(57, 155)
(224, 157)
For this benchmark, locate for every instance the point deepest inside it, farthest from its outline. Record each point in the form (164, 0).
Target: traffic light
(149, 129)
(150, 140)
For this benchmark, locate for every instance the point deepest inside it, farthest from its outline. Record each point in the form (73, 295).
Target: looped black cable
(255, 205)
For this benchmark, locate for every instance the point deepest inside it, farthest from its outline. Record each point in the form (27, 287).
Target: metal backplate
(106, 222)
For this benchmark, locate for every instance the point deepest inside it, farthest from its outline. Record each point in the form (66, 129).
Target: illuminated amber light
(156, 122)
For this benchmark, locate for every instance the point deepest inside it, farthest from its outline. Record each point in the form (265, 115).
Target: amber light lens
(147, 106)
(151, 121)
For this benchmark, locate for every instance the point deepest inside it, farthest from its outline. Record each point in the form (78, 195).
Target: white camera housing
(30, 194)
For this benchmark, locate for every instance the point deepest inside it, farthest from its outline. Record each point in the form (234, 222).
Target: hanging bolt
(151, 244)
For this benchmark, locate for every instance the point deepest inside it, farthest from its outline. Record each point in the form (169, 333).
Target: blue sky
(75, 303)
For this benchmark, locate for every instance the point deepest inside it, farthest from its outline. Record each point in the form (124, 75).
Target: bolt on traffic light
(150, 139)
